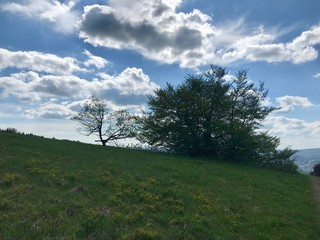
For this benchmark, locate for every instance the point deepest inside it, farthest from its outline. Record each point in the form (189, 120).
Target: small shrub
(9, 178)
(281, 161)
(316, 170)
(284, 165)
(34, 166)
(11, 130)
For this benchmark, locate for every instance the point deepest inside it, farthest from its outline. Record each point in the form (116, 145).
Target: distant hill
(307, 158)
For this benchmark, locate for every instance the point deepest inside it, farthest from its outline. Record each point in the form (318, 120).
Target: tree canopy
(95, 118)
(211, 114)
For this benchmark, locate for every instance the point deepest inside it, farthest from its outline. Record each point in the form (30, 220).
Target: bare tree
(95, 118)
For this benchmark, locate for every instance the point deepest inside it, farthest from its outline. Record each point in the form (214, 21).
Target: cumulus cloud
(159, 32)
(288, 103)
(132, 81)
(262, 47)
(62, 86)
(50, 110)
(50, 63)
(307, 38)
(293, 131)
(256, 52)
(150, 27)
(40, 76)
(61, 14)
(37, 61)
(30, 86)
(130, 87)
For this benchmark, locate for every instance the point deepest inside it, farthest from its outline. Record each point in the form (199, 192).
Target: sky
(56, 54)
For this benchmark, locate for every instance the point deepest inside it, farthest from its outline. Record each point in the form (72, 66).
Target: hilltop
(57, 189)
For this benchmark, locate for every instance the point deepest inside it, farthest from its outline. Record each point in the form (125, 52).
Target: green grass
(52, 189)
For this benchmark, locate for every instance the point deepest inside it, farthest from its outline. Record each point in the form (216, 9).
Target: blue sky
(55, 54)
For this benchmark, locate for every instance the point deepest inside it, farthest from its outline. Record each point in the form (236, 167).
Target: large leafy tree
(95, 118)
(245, 115)
(210, 114)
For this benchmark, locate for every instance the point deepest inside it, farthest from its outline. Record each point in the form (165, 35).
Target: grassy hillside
(52, 189)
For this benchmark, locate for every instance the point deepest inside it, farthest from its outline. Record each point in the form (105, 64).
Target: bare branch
(95, 118)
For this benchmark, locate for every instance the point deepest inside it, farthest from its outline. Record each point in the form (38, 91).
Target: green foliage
(210, 116)
(10, 130)
(56, 189)
(280, 160)
(95, 118)
(182, 119)
(316, 170)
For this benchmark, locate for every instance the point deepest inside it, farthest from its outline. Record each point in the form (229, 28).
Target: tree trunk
(101, 139)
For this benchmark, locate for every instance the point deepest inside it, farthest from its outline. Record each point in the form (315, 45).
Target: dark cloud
(98, 24)
(194, 55)
(58, 86)
(159, 10)
(102, 25)
(105, 25)
(187, 39)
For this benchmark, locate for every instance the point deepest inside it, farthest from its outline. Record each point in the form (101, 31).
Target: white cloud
(157, 30)
(13, 86)
(288, 103)
(30, 86)
(262, 47)
(50, 63)
(295, 132)
(61, 86)
(307, 38)
(173, 4)
(129, 88)
(60, 14)
(50, 110)
(299, 133)
(317, 75)
(37, 61)
(152, 28)
(132, 81)
(94, 61)
(161, 33)
(45, 76)
(146, 9)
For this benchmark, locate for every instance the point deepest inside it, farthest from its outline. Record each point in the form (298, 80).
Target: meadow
(58, 189)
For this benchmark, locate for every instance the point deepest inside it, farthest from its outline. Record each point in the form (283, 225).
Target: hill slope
(53, 189)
